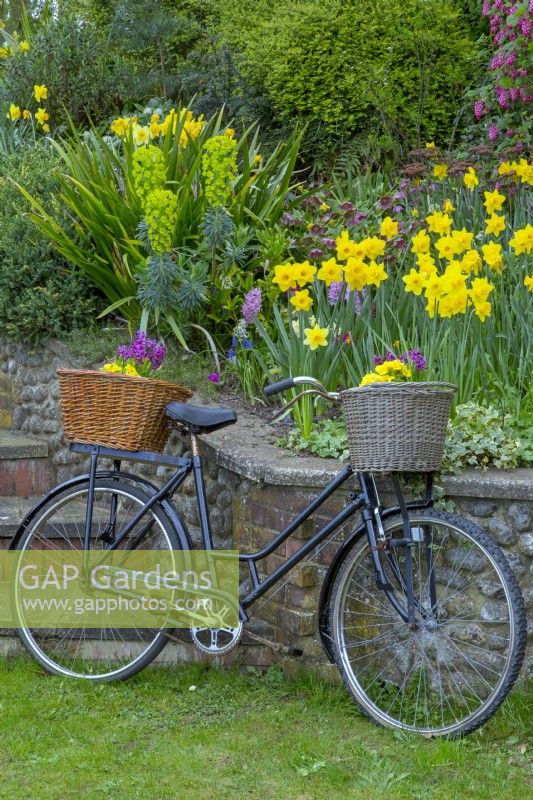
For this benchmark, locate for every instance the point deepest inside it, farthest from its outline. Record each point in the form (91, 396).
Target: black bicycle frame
(367, 500)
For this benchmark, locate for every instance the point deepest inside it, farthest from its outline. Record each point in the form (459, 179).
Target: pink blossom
(479, 109)
(494, 132)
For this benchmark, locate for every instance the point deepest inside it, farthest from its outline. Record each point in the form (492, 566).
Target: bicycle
(419, 610)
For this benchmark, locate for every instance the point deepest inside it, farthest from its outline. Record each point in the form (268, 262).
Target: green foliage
(68, 56)
(40, 294)
(480, 436)
(359, 66)
(328, 439)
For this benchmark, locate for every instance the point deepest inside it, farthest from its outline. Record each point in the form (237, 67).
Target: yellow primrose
(111, 367)
(40, 92)
(495, 224)
(393, 366)
(330, 272)
(302, 300)
(470, 179)
(373, 377)
(440, 171)
(389, 228)
(316, 337)
(355, 274)
(129, 369)
(284, 276)
(448, 207)
(493, 201)
(375, 274)
(373, 247)
(482, 310)
(414, 282)
(42, 116)
(420, 243)
(304, 273)
(439, 222)
(14, 112)
(528, 282)
(522, 241)
(492, 255)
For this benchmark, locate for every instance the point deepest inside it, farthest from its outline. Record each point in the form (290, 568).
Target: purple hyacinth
(252, 305)
(415, 357)
(334, 292)
(142, 349)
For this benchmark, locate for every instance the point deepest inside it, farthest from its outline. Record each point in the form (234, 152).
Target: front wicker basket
(122, 411)
(397, 427)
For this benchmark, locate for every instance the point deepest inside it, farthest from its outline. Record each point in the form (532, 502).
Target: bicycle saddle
(201, 418)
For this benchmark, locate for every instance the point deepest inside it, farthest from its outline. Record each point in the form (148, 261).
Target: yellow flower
(42, 116)
(129, 369)
(470, 179)
(316, 337)
(119, 126)
(505, 168)
(4, 52)
(463, 240)
(26, 114)
(495, 224)
(448, 207)
(14, 112)
(414, 282)
(230, 133)
(155, 128)
(434, 287)
(447, 247)
(344, 246)
(426, 265)
(482, 310)
(304, 273)
(24, 46)
(301, 300)
(323, 207)
(330, 272)
(111, 367)
(522, 241)
(141, 134)
(375, 274)
(415, 212)
(453, 279)
(355, 274)
(439, 222)
(284, 276)
(389, 228)
(420, 243)
(524, 171)
(480, 289)
(528, 282)
(430, 145)
(40, 92)
(392, 367)
(493, 201)
(440, 171)
(471, 261)
(258, 158)
(46, 128)
(492, 255)
(373, 377)
(373, 247)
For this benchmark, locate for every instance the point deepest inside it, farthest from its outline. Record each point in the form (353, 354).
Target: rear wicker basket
(397, 427)
(121, 411)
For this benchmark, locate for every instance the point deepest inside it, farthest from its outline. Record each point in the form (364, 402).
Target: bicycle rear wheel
(97, 654)
(450, 673)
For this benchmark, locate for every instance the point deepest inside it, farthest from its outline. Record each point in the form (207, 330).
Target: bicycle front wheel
(449, 672)
(97, 654)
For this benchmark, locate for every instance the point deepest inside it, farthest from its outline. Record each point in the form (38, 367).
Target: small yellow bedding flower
(24, 46)
(316, 337)
(111, 367)
(430, 145)
(373, 377)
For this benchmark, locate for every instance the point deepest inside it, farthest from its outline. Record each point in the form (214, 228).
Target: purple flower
(417, 359)
(494, 132)
(316, 252)
(252, 305)
(214, 377)
(346, 206)
(142, 349)
(329, 243)
(479, 109)
(334, 292)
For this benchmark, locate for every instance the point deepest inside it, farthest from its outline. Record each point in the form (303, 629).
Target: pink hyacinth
(494, 132)
(479, 109)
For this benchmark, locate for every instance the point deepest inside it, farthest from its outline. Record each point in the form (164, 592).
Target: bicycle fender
(166, 505)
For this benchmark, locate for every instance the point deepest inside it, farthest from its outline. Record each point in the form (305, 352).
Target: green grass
(236, 735)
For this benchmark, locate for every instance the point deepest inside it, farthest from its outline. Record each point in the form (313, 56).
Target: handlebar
(291, 383)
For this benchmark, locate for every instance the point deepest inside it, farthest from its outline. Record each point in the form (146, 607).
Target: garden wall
(254, 489)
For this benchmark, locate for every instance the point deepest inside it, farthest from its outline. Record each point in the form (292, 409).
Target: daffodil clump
(161, 213)
(148, 171)
(159, 126)
(41, 116)
(219, 169)
(449, 266)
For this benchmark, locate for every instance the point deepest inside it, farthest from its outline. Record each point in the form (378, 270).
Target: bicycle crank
(216, 641)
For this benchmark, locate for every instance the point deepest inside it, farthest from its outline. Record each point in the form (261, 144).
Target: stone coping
(248, 448)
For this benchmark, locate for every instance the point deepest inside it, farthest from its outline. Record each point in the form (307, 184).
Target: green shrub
(360, 66)
(40, 295)
(480, 436)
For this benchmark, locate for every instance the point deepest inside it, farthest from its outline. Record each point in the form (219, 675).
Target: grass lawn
(236, 735)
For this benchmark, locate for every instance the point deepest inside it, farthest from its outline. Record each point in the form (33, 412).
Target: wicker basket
(122, 411)
(397, 427)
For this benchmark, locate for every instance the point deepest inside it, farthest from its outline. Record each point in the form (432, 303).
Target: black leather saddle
(201, 419)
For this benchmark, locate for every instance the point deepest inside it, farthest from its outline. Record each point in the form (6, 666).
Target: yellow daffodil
(304, 273)
(14, 112)
(46, 128)
(528, 282)
(522, 241)
(284, 276)
(462, 239)
(420, 243)
(230, 133)
(426, 264)
(446, 247)
(141, 134)
(439, 222)
(316, 337)
(434, 287)
(471, 262)
(355, 274)
(301, 300)
(495, 224)
(330, 272)
(119, 126)
(482, 310)
(42, 116)
(493, 201)
(40, 92)
(373, 247)
(480, 289)
(524, 170)
(375, 274)
(389, 228)
(414, 282)
(492, 255)
(258, 158)
(448, 207)
(470, 179)
(440, 171)
(155, 129)
(26, 114)
(344, 246)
